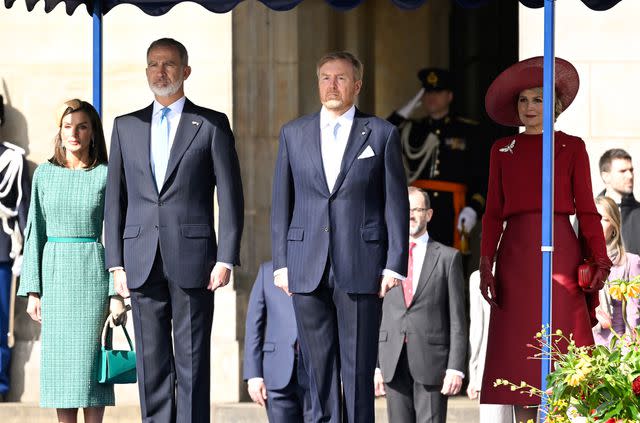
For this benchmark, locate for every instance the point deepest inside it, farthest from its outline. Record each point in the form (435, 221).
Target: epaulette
(14, 147)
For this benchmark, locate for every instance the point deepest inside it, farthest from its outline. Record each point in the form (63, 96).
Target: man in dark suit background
(165, 162)
(339, 236)
(423, 335)
(272, 362)
(616, 171)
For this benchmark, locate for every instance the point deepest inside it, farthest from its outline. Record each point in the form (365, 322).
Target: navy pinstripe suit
(167, 245)
(335, 246)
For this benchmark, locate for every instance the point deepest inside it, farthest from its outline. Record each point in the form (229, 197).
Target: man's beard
(168, 90)
(418, 228)
(333, 104)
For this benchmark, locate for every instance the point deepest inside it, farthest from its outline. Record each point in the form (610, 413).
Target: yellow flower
(617, 291)
(573, 379)
(633, 290)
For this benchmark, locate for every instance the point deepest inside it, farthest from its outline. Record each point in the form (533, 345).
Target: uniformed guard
(15, 193)
(444, 155)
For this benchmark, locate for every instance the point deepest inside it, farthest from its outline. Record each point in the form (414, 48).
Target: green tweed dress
(72, 282)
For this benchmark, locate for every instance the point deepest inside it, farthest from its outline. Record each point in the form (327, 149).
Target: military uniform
(449, 150)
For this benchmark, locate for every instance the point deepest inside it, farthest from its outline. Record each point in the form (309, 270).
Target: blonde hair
(615, 242)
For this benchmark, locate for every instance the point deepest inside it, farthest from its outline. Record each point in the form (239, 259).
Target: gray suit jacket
(435, 323)
(180, 217)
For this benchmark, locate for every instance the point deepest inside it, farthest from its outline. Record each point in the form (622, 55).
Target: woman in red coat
(513, 212)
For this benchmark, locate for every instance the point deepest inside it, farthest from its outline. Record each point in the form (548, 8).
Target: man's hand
(472, 393)
(281, 280)
(451, 385)
(33, 307)
(467, 218)
(120, 283)
(220, 276)
(378, 384)
(257, 390)
(386, 283)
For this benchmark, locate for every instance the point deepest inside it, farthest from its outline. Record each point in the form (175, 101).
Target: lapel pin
(363, 133)
(193, 122)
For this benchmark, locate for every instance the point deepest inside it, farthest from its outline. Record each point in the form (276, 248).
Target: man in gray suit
(423, 335)
(165, 162)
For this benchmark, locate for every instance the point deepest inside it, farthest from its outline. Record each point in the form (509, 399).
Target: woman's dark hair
(98, 147)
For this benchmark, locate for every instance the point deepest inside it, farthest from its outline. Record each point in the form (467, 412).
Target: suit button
(156, 226)
(326, 229)
(160, 203)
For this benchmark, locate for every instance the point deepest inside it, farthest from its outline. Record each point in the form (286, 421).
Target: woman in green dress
(64, 276)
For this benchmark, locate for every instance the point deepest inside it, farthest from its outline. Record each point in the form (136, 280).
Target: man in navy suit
(272, 363)
(165, 162)
(339, 236)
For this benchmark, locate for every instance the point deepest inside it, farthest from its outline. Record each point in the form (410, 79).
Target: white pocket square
(368, 152)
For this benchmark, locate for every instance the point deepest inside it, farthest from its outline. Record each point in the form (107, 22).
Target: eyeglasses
(417, 210)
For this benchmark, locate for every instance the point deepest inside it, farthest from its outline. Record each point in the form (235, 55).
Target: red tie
(407, 284)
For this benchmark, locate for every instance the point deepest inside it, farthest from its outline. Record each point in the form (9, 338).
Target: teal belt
(69, 239)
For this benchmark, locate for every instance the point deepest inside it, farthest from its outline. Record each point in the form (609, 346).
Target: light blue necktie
(160, 148)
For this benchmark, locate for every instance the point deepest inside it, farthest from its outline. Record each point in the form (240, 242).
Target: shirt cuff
(227, 265)
(387, 272)
(455, 373)
(281, 271)
(113, 269)
(378, 371)
(255, 380)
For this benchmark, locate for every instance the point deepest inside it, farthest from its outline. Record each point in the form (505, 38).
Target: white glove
(468, 217)
(16, 268)
(406, 110)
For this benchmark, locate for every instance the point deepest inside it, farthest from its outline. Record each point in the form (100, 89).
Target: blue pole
(548, 93)
(97, 55)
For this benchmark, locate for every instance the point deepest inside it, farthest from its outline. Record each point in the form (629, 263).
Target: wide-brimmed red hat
(502, 96)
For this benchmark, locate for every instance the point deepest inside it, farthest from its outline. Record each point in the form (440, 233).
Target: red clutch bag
(585, 273)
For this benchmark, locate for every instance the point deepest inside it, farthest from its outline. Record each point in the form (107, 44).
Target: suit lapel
(143, 132)
(359, 134)
(428, 266)
(311, 131)
(188, 127)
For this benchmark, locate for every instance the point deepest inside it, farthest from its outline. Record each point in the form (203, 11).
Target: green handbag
(116, 366)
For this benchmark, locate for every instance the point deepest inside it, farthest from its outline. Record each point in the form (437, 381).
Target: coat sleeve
(255, 327)
(281, 204)
(458, 332)
(586, 212)
(35, 239)
(230, 195)
(396, 206)
(493, 218)
(115, 203)
(477, 321)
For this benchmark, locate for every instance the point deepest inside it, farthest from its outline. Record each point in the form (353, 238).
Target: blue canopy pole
(548, 96)
(97, 56)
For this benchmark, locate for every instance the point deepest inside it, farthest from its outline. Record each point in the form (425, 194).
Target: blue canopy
(160, 7)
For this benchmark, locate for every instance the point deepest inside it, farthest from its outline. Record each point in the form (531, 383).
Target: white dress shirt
(419, 252)
(333, 142)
